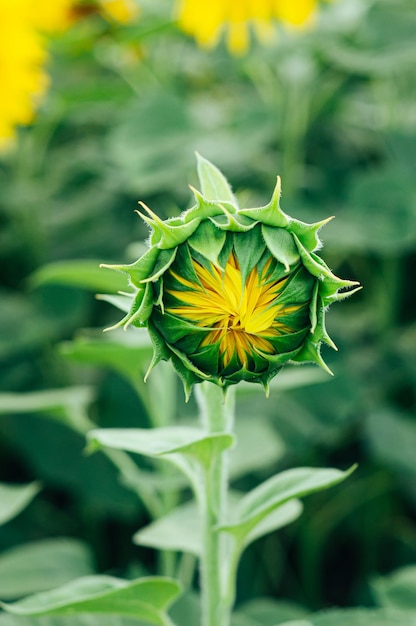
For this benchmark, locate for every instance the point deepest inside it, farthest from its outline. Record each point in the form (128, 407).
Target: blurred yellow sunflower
(24, 25)
(208, 21)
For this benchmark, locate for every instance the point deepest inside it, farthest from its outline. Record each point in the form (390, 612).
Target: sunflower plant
(227, 295)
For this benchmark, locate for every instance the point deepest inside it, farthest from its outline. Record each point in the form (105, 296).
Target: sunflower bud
(232, 294)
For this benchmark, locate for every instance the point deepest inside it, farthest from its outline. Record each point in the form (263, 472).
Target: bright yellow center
(242, 317)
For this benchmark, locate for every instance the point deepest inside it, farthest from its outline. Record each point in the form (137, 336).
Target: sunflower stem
(217, 414)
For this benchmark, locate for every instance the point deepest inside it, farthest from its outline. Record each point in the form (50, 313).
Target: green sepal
(232, 368)
(177, 328)
(225, 252)
(286, 344)
(140, 309)
(158, 294)
(267, 377)
(337, 297)
(191, 342)
(308, 233)
(188, 363)
(205, 208)
(296, 320)
(320, 333)
(213, 183)
(163, 262)
(281, 358)
(232, 222)
(187, 371)
(164, 352)
(172, 236)
(183, 267)
(316, 267)
(313, 307)
(311, 352)
(208, 240)
(281, 245)
(298, 287)
(276, 270)
(140, 269)
(271, 214)
(142, 314)
(248, 249)
(329, 289)
(169, 233)
(160, 350)
(188, 377)
(208, 358)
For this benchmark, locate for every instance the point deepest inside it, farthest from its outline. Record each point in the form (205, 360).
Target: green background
(333, 111)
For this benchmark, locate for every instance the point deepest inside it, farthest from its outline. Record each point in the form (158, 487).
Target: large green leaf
(286, 486)
(357, 617)
(127, 352)
(83, 274)
(68, 404)
(147, 598)
(14, 498)
(42, 565)
(268, 612)
(164, 442)
(398, 590)
(180, 529)
(6, 619)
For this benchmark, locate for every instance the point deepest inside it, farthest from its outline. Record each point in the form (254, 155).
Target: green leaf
(180, 530)
(187, 610)
(269, 612)
(214, 185)
(164, 442)
(357, 617)
(397, 590)
(82, 274)
(54, 400)
(127, 353)
(208, 240)
(68, 404)
(69, 620)
(276, 519)
(15, 498)
(271, 494)
(145, 598)
(42, 565)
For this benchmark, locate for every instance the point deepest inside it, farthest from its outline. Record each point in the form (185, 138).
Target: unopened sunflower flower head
(231, 294)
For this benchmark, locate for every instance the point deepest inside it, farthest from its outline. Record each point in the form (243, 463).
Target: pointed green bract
(229, 293)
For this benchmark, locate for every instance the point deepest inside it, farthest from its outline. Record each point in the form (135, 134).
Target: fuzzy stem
(217, 414)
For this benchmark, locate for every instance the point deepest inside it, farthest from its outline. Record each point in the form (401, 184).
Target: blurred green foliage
(333, 111)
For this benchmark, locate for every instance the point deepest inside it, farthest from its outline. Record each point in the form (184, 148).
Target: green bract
(232, 294)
